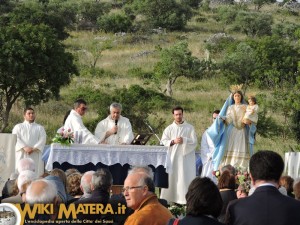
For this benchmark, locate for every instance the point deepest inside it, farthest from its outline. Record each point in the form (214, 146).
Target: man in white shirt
(181, 138)
(74, 122)
(207, 149)
(115, 129)
(31, 139)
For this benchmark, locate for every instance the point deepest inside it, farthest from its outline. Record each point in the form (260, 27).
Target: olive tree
(177, 61)
(33, 66)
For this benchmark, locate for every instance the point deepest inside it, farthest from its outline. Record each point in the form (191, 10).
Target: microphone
(116, 123)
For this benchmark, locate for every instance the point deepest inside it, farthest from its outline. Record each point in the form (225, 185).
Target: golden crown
(236, 87)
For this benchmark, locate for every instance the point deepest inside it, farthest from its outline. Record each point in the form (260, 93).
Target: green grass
(199, 98)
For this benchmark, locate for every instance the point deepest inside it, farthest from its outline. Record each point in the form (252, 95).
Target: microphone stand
(153, 132)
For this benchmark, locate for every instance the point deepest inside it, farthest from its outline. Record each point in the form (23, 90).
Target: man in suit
(266, 205)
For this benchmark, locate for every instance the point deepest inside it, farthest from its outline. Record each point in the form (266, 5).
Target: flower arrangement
(177, 210)
(216, 173)
(64, 137)
(242, 175)
(243, 179)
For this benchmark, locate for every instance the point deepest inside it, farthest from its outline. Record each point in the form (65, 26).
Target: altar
(117, 158)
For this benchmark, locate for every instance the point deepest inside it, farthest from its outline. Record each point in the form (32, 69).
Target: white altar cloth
(135, 155)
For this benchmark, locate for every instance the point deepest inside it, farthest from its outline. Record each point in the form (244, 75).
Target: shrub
(115, 22)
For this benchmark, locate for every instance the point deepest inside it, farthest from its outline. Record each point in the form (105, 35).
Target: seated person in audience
(63, 178)
(61, 190)
(139, 192)
(266, 205)
(203, 203)
(26, 164)
(73, 187)
(100, 186)
(115, 129)
(226, 186)
(25, 177)
(85, 184)
(70, 171)
(242, 191)
(296, 189)
(42, 192)
(10, 187)
(287, 182)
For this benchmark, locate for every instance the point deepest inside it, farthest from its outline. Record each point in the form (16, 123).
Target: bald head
(41, 191)
(85, 183)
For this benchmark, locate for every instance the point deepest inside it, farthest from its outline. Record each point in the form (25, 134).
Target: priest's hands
(28, 150)
(178, 140)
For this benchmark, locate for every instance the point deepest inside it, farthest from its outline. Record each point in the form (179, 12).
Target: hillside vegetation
(136, 65)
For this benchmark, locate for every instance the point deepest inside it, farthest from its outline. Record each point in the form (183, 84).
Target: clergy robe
(182, 157)
(32, 135)
(74, 122)
(123, 136)
(207, 149)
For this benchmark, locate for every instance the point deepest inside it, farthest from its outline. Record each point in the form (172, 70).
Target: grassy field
(200, 97)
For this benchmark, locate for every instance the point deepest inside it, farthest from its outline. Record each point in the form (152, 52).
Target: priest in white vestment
(31, 139)
(181, 138)
(115, 129)
(74, 122)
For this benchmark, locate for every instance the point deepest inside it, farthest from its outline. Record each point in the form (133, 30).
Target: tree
(238, 65)
(115, 22)
(254, 24)
(36, 14)
(277, 63)
(163, 13)
(177, 61)
(33, 66)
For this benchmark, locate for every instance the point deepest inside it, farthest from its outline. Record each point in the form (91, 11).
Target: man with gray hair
(85, 184)
(41, 191)
(115, 129)
(23, 180)
(26, 164)
(100, 187)
(139, 192)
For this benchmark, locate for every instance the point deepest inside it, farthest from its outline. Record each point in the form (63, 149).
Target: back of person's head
(13, 176)
(70, 171)
(226, 180)
(229, 168)
(287, 182)
(61, 174)
(102, 180)
(60, 188)
(203, 198)
(41, 191)
(26, 176)
(73, 184)
(142, 169)
(85, 182)
(296, 189)
(266, 165)
(26, 164)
